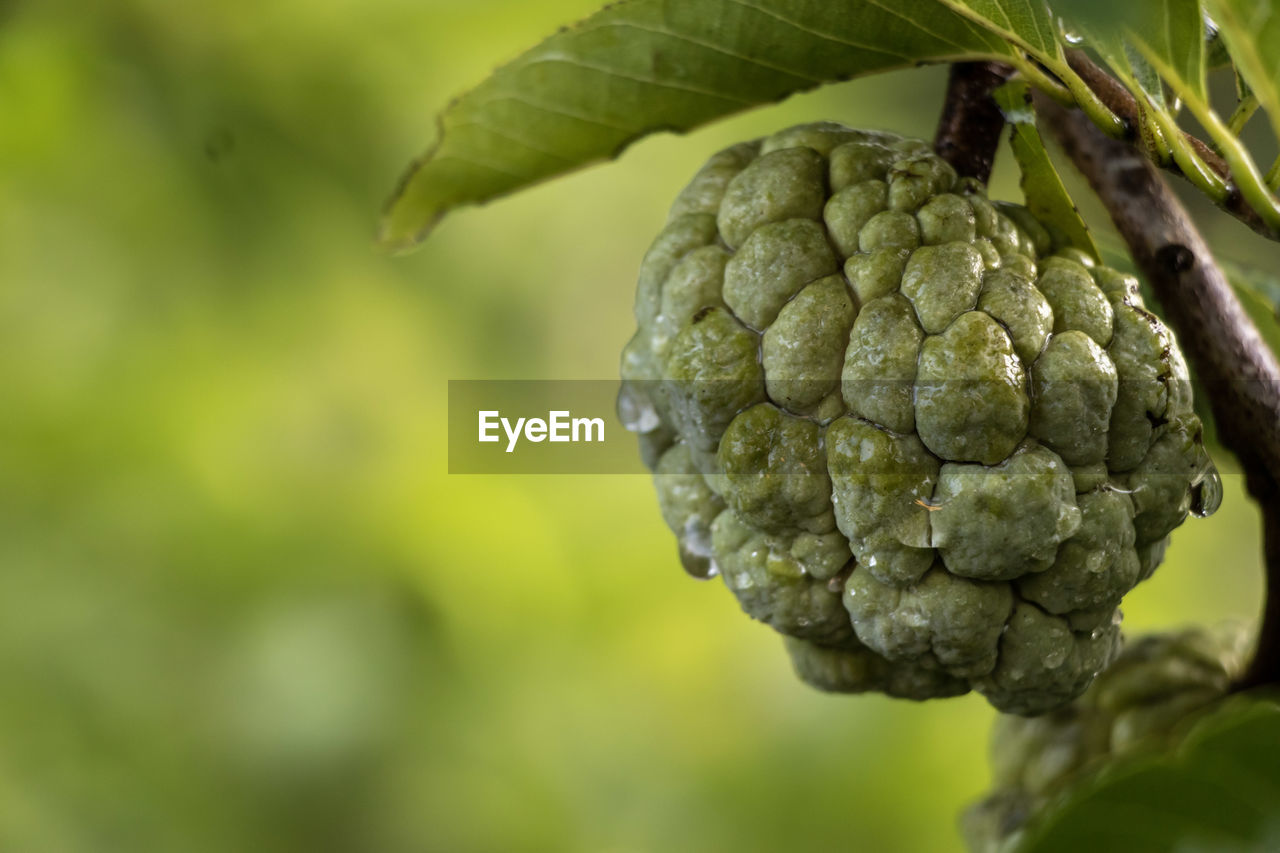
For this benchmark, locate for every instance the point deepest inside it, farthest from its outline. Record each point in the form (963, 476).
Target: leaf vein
(442, 157)
(915, 24)
(632, 25)
(635, 78)
(822, 35)
(725, 51)
(488, 128)
(493, 99)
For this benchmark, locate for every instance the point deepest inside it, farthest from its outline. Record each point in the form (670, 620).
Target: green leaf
(1144, 74)
(1169, 34)
(1259, 292)
(1026, 23)
(1243, 92)
(1045, 194)
(642, 66)
(1261, 284)
(1215, 49)
(1219, 791)
(1251, 29)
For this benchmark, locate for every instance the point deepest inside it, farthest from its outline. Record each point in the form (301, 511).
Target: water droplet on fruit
(1054, 658)
(697, 565)
(636, 412)
(1206, 493)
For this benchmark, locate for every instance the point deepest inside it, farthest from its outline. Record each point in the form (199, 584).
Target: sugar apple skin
(931, 447)
(1153, 691)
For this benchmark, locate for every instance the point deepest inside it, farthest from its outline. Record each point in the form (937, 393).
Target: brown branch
(1237, 370)
(1120, 101)
(971, 122)
(1265, 667)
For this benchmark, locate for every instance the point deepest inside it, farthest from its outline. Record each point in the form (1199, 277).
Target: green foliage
(1259, 292)
(1251, 31)
(1029, 25)
(1141, 705)
(1172, 31)
(1169, 34)
(642, 66)
(1219, 791)
(1046, 197)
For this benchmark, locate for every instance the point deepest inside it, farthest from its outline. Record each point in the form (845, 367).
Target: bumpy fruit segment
(912, 433)
(1145, 700)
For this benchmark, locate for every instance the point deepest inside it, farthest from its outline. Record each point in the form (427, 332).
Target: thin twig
(1119, 100)
(969, 128)
(1239, 373)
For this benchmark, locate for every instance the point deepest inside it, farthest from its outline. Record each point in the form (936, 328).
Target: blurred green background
(242, 604)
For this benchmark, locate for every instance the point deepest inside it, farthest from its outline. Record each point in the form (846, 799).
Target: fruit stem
(1236, 368)
(970, 125)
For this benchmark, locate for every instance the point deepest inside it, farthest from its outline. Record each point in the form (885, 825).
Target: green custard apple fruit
(1145, 700)
(911, 431)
